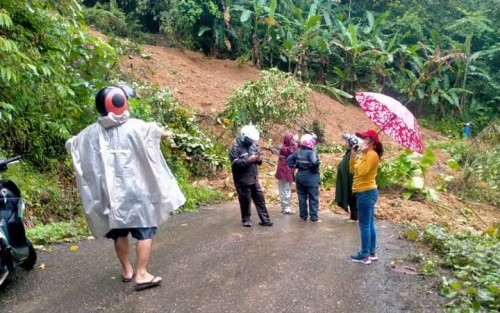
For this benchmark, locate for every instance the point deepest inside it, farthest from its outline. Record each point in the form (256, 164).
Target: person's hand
(166, 133)
(253, 158)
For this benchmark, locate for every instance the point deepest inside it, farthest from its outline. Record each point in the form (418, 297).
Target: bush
(112, 21)
(193, 148)
(276, 98)
(474, 260)
(328, 177)
(58, 232)
(48, 198)
(480, 161)
(407, 171)
(47, 75)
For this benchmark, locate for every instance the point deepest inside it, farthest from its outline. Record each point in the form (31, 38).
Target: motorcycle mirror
(129, 91)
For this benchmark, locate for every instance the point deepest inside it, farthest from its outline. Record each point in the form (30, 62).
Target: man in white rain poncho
(124, 181)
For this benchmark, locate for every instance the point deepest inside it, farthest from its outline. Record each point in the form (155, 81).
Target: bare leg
(143, 254)
(121, 248)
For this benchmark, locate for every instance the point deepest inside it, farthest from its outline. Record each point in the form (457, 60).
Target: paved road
(209, 263)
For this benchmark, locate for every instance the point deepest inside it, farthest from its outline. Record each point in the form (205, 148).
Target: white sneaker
(373, 257)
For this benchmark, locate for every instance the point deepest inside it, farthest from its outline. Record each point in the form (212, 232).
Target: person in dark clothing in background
(245, 156)
(344, 196)
(306, 161)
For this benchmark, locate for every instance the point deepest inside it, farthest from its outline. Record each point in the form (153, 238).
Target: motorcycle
(15, 248)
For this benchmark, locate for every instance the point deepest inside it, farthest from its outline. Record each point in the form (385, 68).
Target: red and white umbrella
(393, 118)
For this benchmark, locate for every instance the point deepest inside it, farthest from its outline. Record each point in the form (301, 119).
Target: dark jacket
(307, 164)
(283, 171)
(343, 187)
(244, 172)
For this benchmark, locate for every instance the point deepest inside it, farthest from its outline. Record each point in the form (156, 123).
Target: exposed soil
(204, 84)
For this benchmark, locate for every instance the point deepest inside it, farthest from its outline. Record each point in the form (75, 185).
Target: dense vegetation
(473, 261)
(441, 57)
(50, 68)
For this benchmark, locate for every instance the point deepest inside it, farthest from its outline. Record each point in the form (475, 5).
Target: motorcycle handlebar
(4, 163)
(14, 159)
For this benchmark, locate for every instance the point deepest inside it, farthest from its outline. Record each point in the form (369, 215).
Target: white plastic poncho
(122, 176)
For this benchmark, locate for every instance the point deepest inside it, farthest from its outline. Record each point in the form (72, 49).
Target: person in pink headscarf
(284, 174)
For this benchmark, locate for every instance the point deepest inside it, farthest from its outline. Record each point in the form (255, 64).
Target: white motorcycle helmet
(250, 132)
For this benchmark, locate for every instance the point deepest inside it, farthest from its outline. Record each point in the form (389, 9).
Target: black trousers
(246, 194)
(353, 207)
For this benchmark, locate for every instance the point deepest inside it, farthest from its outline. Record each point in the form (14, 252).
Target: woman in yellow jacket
(363, 165)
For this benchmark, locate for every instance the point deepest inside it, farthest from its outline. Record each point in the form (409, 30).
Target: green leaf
(245, 16)
(453, 164)
(431, 194)
(371, 21)
(420, 93)
(444, 95)
(7, 46)
(407, 195)
(456, 285)
(312, 22)
(203, 30)
(5, 20)
(272, 7)
(416, 183)
(427, 160)
(353, 37)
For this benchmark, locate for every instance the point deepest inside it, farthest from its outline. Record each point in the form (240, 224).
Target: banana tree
(263, 15)
(306, 41)
(222, 33)
(357, 57)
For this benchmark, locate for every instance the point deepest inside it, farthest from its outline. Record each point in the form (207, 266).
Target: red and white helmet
(113, 99)
(308, 141)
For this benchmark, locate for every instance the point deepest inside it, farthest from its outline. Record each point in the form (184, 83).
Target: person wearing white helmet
(245, 158)
(306, 161)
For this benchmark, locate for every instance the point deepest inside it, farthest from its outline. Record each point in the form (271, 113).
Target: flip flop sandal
(126, 279)
(147, 285)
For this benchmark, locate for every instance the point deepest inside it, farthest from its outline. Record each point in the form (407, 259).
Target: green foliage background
(441, 57)
(50, 68)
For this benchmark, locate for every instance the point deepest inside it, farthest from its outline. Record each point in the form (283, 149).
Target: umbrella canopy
(393, 118)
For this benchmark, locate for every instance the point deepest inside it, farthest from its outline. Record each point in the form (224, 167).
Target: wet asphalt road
(209, 263)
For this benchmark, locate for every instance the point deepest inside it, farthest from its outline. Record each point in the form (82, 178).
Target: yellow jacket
(364, 170)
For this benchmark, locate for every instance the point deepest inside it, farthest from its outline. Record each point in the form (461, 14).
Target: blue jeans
(366, 210)
(305, 192)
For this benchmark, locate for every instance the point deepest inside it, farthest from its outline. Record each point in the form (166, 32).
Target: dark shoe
(247, 224)
(361, 259)
(150, 284)
(266, 223)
